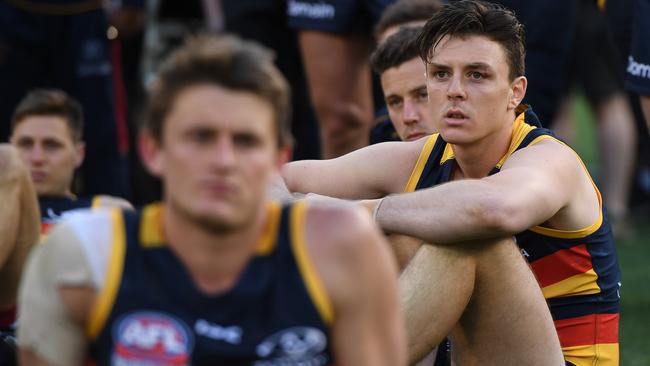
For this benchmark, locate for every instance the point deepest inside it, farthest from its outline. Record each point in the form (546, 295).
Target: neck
(214, 259)
(476, 160)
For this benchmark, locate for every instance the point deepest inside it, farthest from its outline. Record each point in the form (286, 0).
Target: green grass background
(634, 256)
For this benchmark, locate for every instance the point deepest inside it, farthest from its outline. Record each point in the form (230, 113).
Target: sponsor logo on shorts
(301, 346)
(638, 69)
(151, 338)
(320, 10)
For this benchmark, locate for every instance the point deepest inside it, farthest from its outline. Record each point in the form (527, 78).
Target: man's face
(469, 89)
(46, 145)
(406, 97)
(217, 155)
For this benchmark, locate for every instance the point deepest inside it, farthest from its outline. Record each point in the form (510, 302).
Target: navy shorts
(335, 16)
(638, 62)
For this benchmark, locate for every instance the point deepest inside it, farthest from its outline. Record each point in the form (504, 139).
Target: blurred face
(217, 155)
(45, 144)
(469, 89)
(405, 92)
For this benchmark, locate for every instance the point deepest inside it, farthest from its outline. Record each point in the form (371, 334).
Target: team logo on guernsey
(293, 346)
(151, 338)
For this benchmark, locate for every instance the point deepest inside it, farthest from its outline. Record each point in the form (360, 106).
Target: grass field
(634, 256)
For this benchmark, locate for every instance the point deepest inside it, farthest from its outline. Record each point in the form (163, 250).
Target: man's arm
(360, 278)
(541, 184)
(56, 295)
(370, 172)
(19, 222)
(338, 75)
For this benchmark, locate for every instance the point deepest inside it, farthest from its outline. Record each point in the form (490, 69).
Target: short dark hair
(406, 11)
(226, 61)
(51, 102)
(477, 18)
(396, 50)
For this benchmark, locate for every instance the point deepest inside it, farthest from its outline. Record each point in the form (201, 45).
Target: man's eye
(394, 103)
(441, 74)
(245, 140)
(475, 75)
(201, 136)
(51, 145)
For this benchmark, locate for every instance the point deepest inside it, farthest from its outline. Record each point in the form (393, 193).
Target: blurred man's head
(216, 129)
(404, 13)
(46, 128)
(474, 53)
(401, 72)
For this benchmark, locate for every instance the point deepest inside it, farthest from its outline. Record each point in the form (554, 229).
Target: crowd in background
(105, 53)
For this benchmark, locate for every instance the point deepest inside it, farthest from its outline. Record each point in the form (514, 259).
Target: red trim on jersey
(562, 265)
(119, 93)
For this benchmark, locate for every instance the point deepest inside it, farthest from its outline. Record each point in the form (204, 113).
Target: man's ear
(150, 153)
(80, 150)
(284, 156)
(518, 88)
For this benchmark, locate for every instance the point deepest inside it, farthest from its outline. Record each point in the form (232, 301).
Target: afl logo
(293, 344)
(149, 337)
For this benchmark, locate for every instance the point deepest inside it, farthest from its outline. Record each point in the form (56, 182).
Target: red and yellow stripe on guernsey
(590, 340)
(567, 272)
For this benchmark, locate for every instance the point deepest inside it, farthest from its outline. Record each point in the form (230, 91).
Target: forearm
(447, 214)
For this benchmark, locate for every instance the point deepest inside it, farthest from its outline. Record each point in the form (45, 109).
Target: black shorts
(638, 62)
(595, 63)
(335, 16)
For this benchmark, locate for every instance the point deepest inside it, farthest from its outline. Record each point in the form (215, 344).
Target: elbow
(500, 216)
(290, 178)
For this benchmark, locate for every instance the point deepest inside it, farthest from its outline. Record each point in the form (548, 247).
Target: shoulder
(339, 226)
(344, 243)
(105, 201)
(81, 240)
(545, 152)
(11, 166)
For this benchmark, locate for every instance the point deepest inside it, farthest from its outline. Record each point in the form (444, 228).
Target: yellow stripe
(313, 282)
(270, 235)
(520, 130)
(602, 354)
(96, 202)
(419, 165)
(447, 154)
(574, 234)
(601, 4)
(151, 226)
(580, 284)
(106, 297)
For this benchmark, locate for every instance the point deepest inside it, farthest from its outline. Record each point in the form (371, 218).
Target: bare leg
(19, 222)
(339, 84)
(435, 288)
(404, 248)
(507, 321)
(564, 125)
(617, 141)
(485, 295)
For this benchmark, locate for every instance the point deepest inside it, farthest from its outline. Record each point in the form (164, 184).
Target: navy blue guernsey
(151, 313)
(577, 270)
(53, 208)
